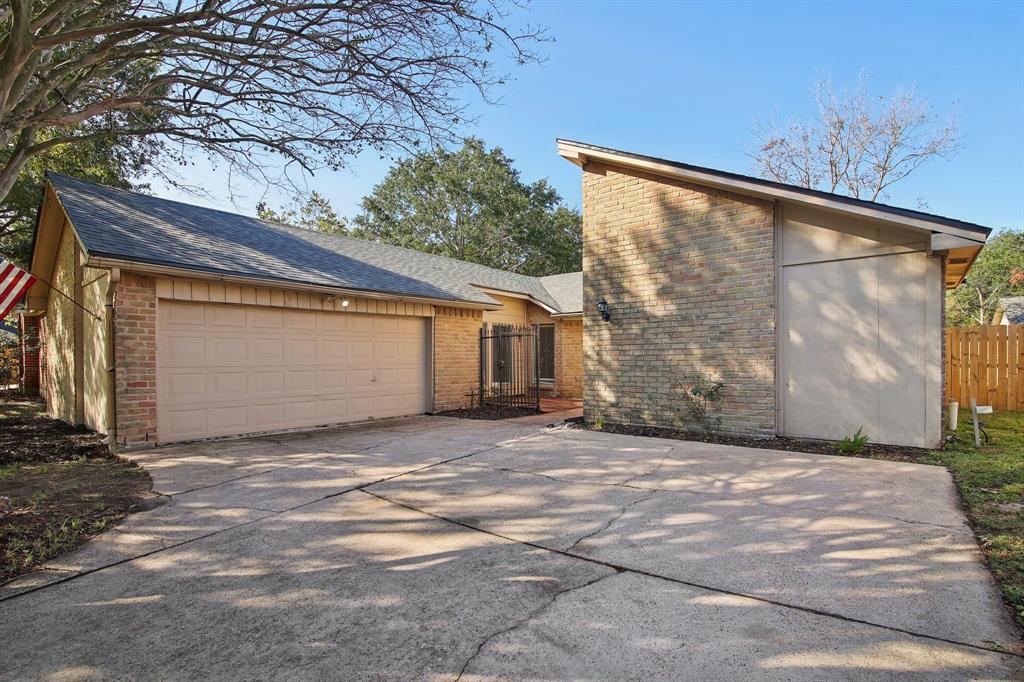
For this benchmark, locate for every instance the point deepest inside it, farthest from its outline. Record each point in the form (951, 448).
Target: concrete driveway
(434, 548)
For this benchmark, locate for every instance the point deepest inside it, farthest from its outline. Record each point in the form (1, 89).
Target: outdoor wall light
(344, 303)
(602, 307)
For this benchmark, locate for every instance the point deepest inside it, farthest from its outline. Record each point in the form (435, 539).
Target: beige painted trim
(567, 315)
(205, 291)
(185, 273)
(515, 294)
(579, 155)
(779, 257)
(78, 294)
(880, 251)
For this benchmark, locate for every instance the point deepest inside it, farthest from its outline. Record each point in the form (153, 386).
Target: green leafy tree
(114, 161)
(315, 213)
(471, 204)
(998, 272)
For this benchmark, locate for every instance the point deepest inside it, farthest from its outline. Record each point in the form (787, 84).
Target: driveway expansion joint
(710, 588)
(632, 486)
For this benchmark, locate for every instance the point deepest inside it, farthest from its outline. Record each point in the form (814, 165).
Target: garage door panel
(332, 410)
(360, 324)
(385, 325)
(186, 387)
(853, 336)
(297, 320)
(228, 385)
(385, 351)
(332, 324)
(301, 412)
(360, 352)
(333, 350)
(301, 350)
(302, 381)
(225, 316)
(331, 380)
(268, 415)
(267, 382)
(187, 315)
(182, 351)
(228, 418)
(265, 318)
(283, 369)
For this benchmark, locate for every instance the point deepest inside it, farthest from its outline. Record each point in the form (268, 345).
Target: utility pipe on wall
(115, 277)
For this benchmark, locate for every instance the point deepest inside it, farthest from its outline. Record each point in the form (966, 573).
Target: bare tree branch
(313, 81)
(859, 145)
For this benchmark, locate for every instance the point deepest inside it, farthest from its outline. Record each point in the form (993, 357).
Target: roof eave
(101, 260)
(579, 154)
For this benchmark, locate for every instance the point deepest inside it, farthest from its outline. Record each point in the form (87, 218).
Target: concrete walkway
(434, 548)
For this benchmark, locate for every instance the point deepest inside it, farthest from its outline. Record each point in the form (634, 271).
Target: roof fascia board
(172, 271)
(561, 315)
(579, 156)
(514, 294)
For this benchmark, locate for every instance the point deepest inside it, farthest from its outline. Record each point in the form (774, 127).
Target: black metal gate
(509, 371)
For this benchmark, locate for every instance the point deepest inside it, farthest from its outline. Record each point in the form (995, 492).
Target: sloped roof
(1013, 308)
(123, 225)
(571, 150)
(566, 290)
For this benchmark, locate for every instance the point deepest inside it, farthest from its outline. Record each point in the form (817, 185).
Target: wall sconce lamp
(602, 307)
(344, 303)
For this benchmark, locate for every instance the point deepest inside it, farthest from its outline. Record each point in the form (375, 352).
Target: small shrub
(855, 443)
(599, 422)
(702, 396)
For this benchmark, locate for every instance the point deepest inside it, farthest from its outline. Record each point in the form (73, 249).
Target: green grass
(991, 484)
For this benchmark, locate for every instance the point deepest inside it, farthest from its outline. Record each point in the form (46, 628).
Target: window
(546, 352)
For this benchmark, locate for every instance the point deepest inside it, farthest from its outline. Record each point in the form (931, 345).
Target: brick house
(821, 314)
(196, 322)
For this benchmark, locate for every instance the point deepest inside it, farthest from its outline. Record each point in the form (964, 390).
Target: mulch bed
(59, 486)
(488, 413)
(892, 453)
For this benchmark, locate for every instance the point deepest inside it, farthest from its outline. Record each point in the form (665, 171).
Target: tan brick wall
(135, 355)
(688, 273)
(57, 380)
(456, 356)
(569, 358)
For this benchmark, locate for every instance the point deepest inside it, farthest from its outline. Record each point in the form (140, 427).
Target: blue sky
(687, 81)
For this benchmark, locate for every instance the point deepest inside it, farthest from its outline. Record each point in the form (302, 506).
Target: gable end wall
(689, 276)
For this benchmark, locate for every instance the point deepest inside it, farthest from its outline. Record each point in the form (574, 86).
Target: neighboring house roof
(117, 224)
(1012, 308)
(960, 239)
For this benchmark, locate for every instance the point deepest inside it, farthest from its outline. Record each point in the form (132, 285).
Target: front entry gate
(509, 371)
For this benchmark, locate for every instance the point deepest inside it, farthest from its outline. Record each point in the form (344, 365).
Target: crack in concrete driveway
(503, 549)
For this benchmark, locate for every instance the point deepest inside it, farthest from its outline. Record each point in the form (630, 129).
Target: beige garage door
(859, 338)
(232, 369)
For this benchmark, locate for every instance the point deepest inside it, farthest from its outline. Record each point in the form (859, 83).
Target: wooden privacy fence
(986, 363)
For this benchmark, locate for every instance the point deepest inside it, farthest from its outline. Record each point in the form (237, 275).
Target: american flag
(14, 282)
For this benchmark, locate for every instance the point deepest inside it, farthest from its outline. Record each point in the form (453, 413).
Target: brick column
(30, 347)
(456, 356)
(569, 358)
(135, 356)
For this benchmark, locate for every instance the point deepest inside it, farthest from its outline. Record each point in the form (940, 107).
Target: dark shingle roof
(1013, 308)
(116, 223)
